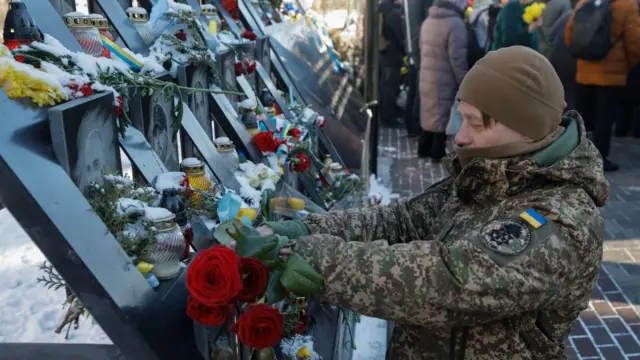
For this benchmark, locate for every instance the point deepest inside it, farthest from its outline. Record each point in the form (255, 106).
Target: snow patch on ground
(29, 311)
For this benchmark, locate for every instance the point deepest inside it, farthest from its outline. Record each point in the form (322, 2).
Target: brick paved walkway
(610, 328)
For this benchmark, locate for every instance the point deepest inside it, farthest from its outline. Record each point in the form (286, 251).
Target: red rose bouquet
(254, 281)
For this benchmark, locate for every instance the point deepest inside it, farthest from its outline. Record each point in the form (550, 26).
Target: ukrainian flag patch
(533, 218)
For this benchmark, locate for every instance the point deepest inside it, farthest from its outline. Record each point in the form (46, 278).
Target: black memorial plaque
(196, 77)
(84, 138)
(159, 126)
(247, 51)
(227, 63)
(327, 91)
(263, 52)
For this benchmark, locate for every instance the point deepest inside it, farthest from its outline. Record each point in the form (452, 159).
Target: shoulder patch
(506, 236)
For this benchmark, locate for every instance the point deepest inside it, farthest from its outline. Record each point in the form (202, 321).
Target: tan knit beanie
(517, 87)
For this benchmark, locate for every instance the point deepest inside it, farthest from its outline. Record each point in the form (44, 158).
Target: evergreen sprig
(50, 279)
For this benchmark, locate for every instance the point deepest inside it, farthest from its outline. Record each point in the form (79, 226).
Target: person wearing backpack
(443, 65)
(605, 37)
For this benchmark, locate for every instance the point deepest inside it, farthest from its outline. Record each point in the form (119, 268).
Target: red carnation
(238, 68)
(261, 326)
(86, 90)
(181, 35)
(255, 276)
(295, 133)
(266, 142)
(300, 163)
(213, 277)
(117, 109)
(249, 35)
(206, 315)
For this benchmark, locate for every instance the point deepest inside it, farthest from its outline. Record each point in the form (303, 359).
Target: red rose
(266, 142)
(295, 133)
(206, 315)
(181, 35)
(300, 163)
(238, 68)
(261, 326)
(249, 35)
(213, 277)
(255, 276)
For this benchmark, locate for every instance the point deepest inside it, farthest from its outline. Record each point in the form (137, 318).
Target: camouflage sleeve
(481, 278)
(401, 221)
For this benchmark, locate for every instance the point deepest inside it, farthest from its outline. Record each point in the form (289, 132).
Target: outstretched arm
(401, 221)
(479, 278)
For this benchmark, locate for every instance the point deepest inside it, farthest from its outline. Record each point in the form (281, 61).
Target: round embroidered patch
(507, 237)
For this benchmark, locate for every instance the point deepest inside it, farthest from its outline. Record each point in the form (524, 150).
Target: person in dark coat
(418, 10)
(562, 60)
(392, 51)
(511, 29)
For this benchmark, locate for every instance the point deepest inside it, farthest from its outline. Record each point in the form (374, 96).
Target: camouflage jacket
(458, 269)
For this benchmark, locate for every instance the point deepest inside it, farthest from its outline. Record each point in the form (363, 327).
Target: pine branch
(50, 279)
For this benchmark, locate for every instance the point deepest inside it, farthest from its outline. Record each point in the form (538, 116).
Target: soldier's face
(479, 133)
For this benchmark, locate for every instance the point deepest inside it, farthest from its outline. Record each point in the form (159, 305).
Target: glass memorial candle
(82, 29)
(198, 179)
(210, 13)
(169, 248)
(140, 20)
(228, 153)
(102, 24)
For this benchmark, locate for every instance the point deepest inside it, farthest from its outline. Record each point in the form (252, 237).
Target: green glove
(292, 229)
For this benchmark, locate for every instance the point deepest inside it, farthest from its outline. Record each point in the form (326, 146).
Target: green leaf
(221, 234)
(300, 277)
(275, 291)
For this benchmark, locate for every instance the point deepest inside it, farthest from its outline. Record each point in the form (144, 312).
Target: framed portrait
(84, 138)
(158, 127)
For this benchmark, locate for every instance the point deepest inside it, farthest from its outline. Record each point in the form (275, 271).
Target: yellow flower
(19, 81)
(533, 12)
(303, 353)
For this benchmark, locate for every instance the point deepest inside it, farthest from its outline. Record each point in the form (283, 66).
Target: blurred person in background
(418, 10)
(554, 10)
(511, 29)
(443, 65)
(392, 51)
(605, 37)
(562, 60)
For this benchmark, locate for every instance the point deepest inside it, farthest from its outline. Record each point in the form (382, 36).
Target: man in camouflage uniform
(497, 260)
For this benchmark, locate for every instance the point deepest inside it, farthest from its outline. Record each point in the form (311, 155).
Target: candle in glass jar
(82, 29)
(198, 179)
(100, 23)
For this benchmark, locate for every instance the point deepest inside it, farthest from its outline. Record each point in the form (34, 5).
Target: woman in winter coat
(443, 65)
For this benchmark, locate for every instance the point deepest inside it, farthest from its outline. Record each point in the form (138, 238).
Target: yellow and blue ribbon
(116, 50)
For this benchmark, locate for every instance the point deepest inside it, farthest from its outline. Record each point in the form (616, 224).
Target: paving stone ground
(610, 327)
